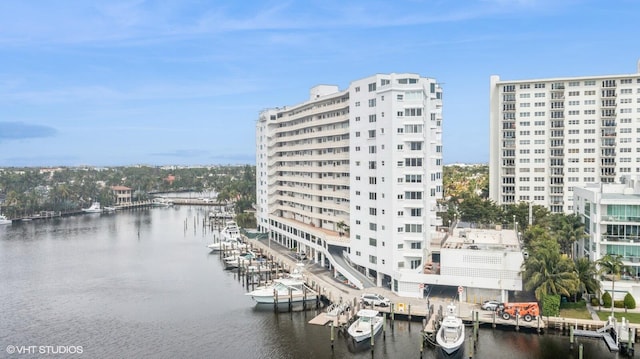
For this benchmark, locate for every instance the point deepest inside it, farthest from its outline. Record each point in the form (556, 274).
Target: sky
(181, 82)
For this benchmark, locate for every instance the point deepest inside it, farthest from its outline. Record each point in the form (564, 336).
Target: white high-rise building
(351, 178)
(551, 135)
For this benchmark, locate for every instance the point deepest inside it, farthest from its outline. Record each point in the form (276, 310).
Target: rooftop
(467, 236)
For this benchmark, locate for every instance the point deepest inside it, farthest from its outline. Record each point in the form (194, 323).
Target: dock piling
(580, 350)
(571, 337)
(332, 337)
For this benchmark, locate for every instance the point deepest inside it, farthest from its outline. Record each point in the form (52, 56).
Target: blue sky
(182, 82)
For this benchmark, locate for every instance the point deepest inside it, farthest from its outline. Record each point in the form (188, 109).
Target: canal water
(142, 284)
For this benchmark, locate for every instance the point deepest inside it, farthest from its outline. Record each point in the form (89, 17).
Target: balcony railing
(620, 219)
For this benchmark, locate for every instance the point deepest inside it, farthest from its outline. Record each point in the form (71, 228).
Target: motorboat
(242, 260)
(282, 291)
(450, 336)
(368, 323)
(162, 202)
(231, 231)
(4, 219)
(220, 215)
(95, 208)
(109, 209)
(226, 245)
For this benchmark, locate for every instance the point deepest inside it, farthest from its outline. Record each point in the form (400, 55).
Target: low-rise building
(122, 195)
(485, 263)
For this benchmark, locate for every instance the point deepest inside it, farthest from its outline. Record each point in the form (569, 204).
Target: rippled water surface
(142, 284)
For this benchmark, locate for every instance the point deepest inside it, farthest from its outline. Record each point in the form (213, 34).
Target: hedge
(629, 301)
(551, 305)
(606, 300)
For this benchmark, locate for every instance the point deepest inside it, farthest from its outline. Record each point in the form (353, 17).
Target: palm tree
(571, 231)
(612, 264)
(587, 273)
(548, 272)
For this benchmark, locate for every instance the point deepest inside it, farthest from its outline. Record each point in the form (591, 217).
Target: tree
(569, 230)
(342, 227)
(611, 264)
(477, 210)
(547, 272)
(587, 272)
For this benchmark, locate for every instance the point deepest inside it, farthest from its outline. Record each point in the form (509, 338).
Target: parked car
(490, 305)
(375, 300)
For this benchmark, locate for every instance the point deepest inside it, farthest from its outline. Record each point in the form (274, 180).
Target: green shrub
(551, 305)
(606, 300)
(618, 303)
(595, 301)
(629, 301)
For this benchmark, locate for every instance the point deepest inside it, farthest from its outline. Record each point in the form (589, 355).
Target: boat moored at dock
(450, 335)
(368, 323)
(283, 290)
(95, 208)
(4, 219)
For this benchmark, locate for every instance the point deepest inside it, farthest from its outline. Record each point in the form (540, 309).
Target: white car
(375, 300)
(490, 305)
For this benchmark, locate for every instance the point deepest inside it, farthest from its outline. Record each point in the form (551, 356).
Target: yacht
(283, 290)
(4, 219)
(450, 335)
(95, 208)
(231, 231)
(368, 323)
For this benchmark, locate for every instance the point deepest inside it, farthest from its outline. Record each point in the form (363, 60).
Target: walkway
(336, 254)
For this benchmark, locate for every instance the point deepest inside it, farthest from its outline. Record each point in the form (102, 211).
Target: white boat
(368, 323)
(450, 335)
(241, 260)
(226, 245)
(220, 215)
(4, 219)
(231, 231)
(283, 290)
(109, 209)
(95, 208)
(162, 202)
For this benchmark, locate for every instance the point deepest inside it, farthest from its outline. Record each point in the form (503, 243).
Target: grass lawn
(578, 313)
(631, 317)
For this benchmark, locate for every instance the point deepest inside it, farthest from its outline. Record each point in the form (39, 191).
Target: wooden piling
(332, 338)
(580, 350)
(476, 325)
(372, 336)
(384, 327)
(571, 337)
(275, 302)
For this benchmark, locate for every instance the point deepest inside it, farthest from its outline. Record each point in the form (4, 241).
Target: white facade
(548, 136)
(369, 156)
(611, 213)
(486, 262)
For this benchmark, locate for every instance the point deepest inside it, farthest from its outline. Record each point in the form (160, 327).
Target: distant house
(170, 179)
(122, 194)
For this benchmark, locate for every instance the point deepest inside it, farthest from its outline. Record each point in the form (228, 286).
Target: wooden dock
(596, 334)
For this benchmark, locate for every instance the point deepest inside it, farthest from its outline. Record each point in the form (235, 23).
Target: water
(142, 284)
